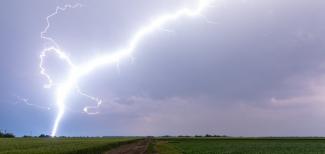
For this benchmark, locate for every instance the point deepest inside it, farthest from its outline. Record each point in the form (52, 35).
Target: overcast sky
(257, 70)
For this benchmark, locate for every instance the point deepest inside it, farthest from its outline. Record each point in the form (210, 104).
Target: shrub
(44, 136)
(6, 135)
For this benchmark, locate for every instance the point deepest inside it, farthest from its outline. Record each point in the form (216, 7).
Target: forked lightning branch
(63, 89)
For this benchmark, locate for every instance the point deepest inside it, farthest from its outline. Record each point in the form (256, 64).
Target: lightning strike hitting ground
(64, 88)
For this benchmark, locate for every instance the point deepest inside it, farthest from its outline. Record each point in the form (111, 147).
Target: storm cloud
(256, 70)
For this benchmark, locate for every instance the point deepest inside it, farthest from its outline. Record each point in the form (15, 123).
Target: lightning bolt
(63, 89)
(27, 102)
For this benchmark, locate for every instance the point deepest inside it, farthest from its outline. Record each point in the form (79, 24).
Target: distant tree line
(40, 136)
(196, 136)
(6, 135)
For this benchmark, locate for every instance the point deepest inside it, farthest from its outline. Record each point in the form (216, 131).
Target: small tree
(44, 136)
(6, 135)
(9, 135)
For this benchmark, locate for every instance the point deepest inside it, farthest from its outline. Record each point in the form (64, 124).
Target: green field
(241, 145)
(166, 145)
(60, 145)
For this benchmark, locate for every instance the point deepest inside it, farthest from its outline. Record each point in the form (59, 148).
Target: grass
(241, 145)
(163, 147)
(151, 147)
(60, 145)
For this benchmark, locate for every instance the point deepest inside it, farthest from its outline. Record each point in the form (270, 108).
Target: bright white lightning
(54, 48)
(77, 71)
(27, 102)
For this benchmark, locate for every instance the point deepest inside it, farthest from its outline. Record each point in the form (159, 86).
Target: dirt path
(139, 147)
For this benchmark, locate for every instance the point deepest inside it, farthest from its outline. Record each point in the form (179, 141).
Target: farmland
(241, 145)
(189, 145)
(60, 145)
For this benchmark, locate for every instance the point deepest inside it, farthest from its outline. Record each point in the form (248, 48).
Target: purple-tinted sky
(258, 71)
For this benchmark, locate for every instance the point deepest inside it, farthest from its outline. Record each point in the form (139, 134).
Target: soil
(139, 147)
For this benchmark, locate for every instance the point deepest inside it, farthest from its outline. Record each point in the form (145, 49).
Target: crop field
(60, 145)
(241, 145)
(163, 145)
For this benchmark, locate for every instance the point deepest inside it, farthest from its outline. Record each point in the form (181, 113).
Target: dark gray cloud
(251, 53)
